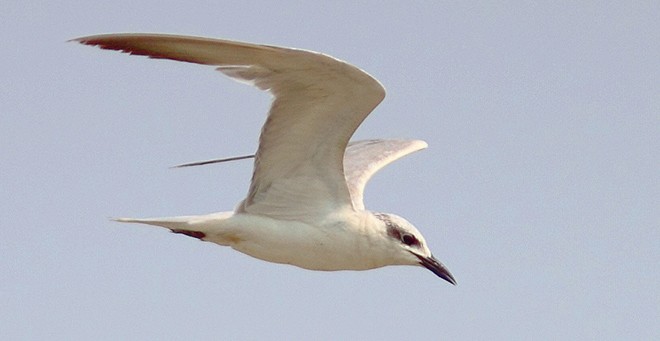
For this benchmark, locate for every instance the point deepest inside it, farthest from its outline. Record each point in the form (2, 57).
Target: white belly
(334, 245)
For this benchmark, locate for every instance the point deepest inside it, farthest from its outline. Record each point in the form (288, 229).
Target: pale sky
(540, 188)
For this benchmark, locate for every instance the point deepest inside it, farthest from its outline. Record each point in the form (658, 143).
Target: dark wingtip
(208, 162)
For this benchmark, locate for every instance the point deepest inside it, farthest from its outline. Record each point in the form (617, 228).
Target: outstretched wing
(319, 102)
(364, 158)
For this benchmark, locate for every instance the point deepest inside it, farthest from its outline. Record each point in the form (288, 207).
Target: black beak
(436, 267)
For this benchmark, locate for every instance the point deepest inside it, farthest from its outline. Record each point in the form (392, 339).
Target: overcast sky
(540, 189)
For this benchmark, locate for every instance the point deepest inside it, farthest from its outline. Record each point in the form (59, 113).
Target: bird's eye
(409, 239)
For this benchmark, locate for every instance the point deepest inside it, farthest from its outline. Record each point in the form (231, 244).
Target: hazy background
(540, 189)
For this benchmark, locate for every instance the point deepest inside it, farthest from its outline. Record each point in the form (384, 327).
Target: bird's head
(409, 247)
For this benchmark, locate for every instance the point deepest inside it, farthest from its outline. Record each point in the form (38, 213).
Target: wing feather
(319, 102)
(364, 158)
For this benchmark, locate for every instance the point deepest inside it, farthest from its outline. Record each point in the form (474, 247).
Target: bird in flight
(304, 206)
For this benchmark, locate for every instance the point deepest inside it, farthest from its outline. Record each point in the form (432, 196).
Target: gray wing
(319, 102)
(364, 158)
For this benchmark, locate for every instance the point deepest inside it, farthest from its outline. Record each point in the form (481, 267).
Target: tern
(304, 206)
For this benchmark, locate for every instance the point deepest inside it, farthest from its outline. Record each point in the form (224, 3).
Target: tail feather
(182, 222)
(193, 226)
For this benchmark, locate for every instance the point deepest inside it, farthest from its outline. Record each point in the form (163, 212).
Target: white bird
(305, 204)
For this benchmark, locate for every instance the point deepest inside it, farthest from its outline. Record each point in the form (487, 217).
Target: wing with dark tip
(319, 101)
